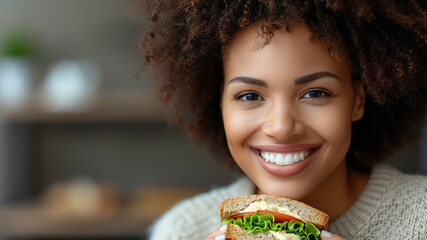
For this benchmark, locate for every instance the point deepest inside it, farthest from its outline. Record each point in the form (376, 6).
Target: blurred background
(86, 151)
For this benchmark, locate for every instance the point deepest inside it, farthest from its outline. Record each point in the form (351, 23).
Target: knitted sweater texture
(393, 205)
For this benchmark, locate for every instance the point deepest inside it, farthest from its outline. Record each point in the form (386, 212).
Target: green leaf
(311, 229)
(258, 223)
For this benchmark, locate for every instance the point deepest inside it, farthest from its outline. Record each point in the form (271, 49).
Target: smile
(283, 159)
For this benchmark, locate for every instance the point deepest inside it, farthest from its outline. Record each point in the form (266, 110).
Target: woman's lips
(283, 164)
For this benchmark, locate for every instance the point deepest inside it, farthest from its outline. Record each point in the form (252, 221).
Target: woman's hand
(218, 234)
(330, 236)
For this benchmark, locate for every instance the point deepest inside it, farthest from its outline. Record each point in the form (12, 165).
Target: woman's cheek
(335, 128)
(238, 125)
(233, 124)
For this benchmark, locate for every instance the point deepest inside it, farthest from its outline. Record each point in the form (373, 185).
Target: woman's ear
(359, 103)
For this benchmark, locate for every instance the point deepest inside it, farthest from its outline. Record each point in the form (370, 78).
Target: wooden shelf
(131, 218)
(33, 221)
(107, 106)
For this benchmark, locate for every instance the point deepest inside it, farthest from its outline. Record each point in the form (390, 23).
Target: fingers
(329, 236)
(218, 234)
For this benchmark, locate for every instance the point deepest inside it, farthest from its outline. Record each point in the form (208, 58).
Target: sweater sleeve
(392, 206)
(183, 222)
(197, 217)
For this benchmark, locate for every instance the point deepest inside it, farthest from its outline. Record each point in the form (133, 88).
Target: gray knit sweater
(393, 205)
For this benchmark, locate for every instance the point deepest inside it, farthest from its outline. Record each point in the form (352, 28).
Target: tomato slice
(278, 217)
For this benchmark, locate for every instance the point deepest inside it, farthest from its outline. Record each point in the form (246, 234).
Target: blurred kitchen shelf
(131, 218)
(32, 221)
(107, 106)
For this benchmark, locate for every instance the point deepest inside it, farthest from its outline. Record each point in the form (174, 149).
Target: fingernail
(223, 228)
(220, 237)
(326, 234)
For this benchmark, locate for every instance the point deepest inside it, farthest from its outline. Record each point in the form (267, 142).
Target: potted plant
(16, 75)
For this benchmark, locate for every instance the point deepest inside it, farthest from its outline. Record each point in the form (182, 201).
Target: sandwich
(264, 217)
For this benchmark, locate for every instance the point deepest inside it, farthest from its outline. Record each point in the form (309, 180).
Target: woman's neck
(338, 192)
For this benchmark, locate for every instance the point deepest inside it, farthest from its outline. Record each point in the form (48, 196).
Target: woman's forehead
(254, 38)
(295, 50)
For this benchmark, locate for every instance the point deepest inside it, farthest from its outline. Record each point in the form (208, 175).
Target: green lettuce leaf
(259, 223)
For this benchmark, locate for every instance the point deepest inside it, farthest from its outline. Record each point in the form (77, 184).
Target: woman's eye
(248, 97)
(315, 94)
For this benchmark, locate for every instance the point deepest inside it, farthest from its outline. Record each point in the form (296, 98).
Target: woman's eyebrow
(314, 76)
(249, 80)
(299, 81)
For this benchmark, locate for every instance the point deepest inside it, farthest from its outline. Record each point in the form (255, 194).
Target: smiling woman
(304, 105)
(306, 98)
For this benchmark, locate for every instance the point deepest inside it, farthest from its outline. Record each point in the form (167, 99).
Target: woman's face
(287, 109)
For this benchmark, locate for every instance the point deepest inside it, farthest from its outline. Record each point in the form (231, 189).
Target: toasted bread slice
(306, 213)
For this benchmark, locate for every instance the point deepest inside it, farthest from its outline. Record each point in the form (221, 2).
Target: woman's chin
(281, 190)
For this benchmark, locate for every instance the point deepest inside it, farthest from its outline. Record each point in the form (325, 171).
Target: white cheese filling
(262, 205)
(284, 236)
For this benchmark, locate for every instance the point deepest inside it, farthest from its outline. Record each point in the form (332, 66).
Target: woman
(306, 98)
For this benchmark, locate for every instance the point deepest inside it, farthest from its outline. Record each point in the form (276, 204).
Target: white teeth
(280, 160)
(285, 159)
(264, 154)
(296, 157)
(289, 159)
(271, 158)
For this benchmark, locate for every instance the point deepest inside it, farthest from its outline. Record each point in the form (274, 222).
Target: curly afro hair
(385, 45)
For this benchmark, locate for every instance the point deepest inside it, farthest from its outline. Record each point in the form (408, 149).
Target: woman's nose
(282, 123)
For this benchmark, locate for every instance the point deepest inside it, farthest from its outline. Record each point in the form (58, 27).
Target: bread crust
(307, 214)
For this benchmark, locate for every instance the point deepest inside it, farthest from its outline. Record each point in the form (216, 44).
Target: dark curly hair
(385, 45)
